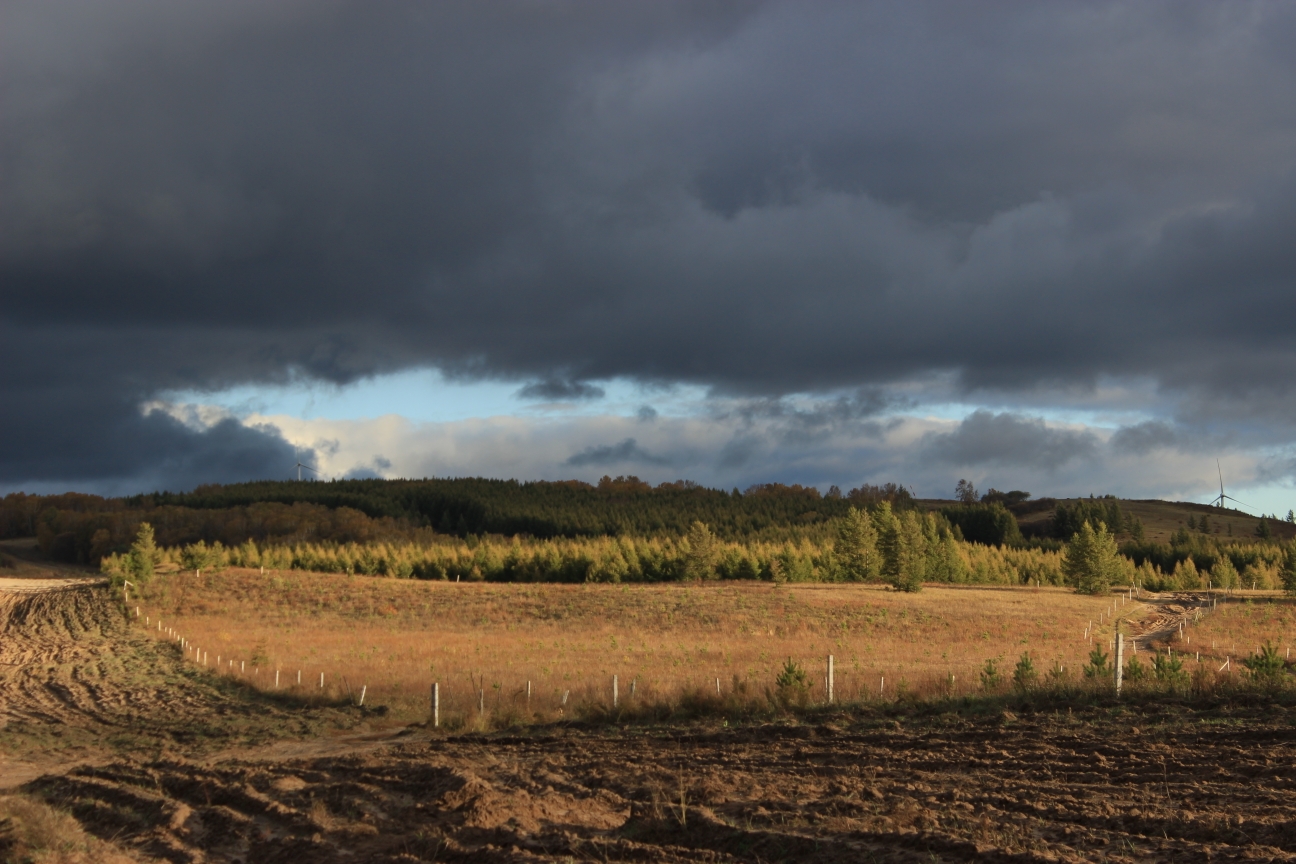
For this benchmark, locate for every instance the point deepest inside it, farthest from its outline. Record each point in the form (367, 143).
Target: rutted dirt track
(1039, 786)
(1030, 789)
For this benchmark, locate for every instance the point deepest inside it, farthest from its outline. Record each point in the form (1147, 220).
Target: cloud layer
(1020, 200)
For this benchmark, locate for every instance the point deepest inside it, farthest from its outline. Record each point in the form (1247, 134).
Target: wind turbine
(308, 468)
(1219, 501)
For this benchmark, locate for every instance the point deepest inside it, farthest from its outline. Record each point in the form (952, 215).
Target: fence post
(481, 700)
(1120, 660)
(830, 679)
(363, 688)
(615, 694)
(436, 704)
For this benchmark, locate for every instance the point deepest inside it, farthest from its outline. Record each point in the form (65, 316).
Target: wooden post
(276, 679)
(242, 666)
(481, 700)
(634, 681)
(1120, 660)
(363, 688)
(830, 679)
(566, 693)
(321, 680)
(615, 694)
(529, 693)
(298, 677)
(436, 703)
(882, 686)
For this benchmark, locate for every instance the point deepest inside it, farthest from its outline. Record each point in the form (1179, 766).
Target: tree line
(902, 549)
(77, 527)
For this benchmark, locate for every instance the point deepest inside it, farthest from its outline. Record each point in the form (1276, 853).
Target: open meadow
(395, 637)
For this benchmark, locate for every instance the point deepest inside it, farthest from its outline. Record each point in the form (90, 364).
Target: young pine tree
(856, 547)
(1223, 574)
(1091, 563)
(900, 547)
(700, 559)
(144, 555)
(1288, 572)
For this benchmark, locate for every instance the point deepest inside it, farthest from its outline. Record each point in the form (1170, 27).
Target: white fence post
(1120, 660)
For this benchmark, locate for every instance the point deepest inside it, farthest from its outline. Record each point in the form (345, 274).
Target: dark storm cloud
(1008, 439)
(558, 390)
(760, 197)
(615, 454)
(1144, 437)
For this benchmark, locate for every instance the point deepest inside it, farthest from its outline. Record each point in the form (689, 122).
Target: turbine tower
(308, 468)
(1221, 498)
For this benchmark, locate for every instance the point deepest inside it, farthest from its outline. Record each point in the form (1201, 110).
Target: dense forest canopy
(87, 527)
(436, 528)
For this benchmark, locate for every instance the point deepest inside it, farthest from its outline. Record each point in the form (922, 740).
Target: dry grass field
(395, 637)
(1242, 623)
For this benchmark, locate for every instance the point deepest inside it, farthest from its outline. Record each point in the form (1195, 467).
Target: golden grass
(34, 833)
(395, 637)
(1240, 625)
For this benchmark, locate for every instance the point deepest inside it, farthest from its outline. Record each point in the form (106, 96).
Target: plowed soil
(1048, 787)
(76, 682)
(175, 765)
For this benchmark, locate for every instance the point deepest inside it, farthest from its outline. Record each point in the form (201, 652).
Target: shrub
(1135, 671)
(1266, 665)
(1168, 669)
(793, 684)
(990, 677)
(1097, 666)
(1024, 675)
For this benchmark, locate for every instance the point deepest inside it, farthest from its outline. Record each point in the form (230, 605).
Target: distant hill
(1160, 519)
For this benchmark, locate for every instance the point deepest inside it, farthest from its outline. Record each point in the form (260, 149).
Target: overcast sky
(1042, 246)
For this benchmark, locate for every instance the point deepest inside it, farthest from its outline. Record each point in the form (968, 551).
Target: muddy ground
(171, 765)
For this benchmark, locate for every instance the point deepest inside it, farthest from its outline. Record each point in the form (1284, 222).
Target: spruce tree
(144, 554)
(900, 547)
(1289, 568)
(856, 547)
(700, 560)
(1092, 563)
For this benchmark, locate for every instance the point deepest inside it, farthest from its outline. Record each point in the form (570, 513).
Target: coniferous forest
(623, 529)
